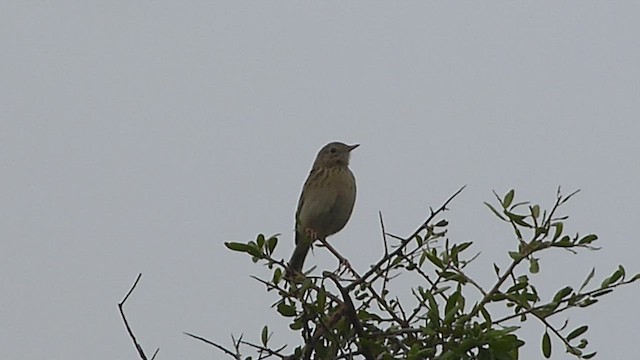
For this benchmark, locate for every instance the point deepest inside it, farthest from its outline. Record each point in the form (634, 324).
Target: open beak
(351, 147)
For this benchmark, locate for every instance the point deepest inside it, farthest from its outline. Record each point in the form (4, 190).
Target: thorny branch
(374, 269)
(339, 324)
(141, 353)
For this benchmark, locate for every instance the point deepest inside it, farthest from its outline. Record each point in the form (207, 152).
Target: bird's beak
(351, 147)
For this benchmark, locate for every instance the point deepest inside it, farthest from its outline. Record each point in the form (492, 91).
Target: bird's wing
(314, 200)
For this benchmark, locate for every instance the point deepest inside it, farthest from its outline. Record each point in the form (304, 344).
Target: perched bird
(326, 201)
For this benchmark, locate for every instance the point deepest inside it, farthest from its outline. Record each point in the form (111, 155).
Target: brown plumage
(326, 201)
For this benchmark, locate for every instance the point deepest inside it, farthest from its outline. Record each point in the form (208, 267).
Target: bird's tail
(303, 244)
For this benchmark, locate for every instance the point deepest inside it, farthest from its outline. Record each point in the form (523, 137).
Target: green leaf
(397, 260)
(588, 279)
(539, 231)
(462, 247)
(260, 241)
(435, 260)
(296, 325)
(518, 219)
(452, 302)
(419, 240)
(457, 278)
(265, 335)
(306, 284)
(446, 274)
(322, 297)
(576, 298)
(588, 239)
(423, 257)
(486, 316)
(508, 199)
(534, 267)
(617, 275)
(271, 244)
(577, 332)
(583, 343)
(547, 310)
(277, 275)
(497, 297)
(517, 287)
(287, 310)
(515, 255)
(442, 223)
(546, 345)
(485, 354)
(236, 246)
(417, 352)
(565, 241)
(432, 313)
(574, 351)
(589, 356)
(495, 212)
(450, 315)
(588, 302)
(535, 211)
(253, 250)
(562, 293)
(558, 227)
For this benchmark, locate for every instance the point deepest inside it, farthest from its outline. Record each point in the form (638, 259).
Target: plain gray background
(139, 136)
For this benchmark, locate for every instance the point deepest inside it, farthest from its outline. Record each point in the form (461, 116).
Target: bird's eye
(333, 150)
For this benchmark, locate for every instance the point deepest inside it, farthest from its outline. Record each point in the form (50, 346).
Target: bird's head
(334, 154)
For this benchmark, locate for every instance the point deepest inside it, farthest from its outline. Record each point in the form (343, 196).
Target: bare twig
(218, 346)
(386, 253)
(404, 243)
(384, 234)
(141, 353)
(587, 294)
(487, 296)
(275, 352)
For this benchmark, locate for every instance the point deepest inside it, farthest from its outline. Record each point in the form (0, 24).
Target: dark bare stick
(126, 323)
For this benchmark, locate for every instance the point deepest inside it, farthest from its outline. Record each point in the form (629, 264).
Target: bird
(326, 201)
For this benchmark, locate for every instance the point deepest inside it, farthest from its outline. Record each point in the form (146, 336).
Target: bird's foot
(345, 263)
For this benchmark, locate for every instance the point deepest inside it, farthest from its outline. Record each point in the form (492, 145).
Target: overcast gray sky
(139, 136)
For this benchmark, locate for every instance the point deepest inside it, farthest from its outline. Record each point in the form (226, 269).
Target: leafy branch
(358, 316)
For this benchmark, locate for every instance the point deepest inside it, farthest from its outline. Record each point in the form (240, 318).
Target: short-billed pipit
(326, 200)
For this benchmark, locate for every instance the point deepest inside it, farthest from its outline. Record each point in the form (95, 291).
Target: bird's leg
(343, 261)
(311, 234)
